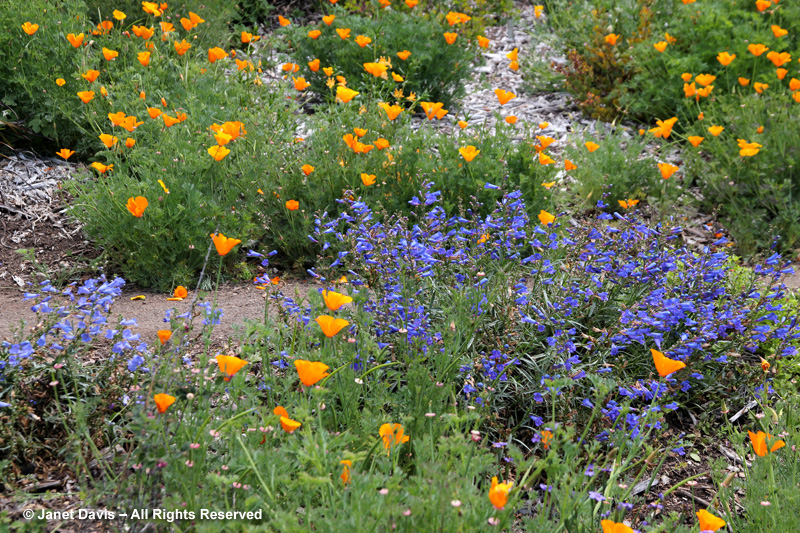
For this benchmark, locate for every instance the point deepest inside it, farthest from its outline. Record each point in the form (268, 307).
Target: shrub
(434, 71)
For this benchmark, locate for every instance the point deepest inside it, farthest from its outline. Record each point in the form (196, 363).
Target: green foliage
(435, 70)
(621, 169)
(757, 196)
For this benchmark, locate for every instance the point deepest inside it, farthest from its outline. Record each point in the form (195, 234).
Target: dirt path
(239, 303)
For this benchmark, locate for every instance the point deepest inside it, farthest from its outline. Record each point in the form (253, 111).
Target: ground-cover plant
(415, 54)
(439, 354)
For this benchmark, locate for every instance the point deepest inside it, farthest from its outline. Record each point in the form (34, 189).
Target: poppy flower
(664, 128)
(392, 435)
(716, 130)
(381, 144)
(163, 401)
(463, 124)
(376, 69)
(345, 477)
(180, 292)
(154, 112)
(667, 170)
(181, 47)
(412, 3)
(725, 58)
(195, 18)
(747, 149)
(108, 140)
(701, 116)
(362, 40)
(779, 59)
(116, 118)
(612, 39)
(397, 78)
(75, 40)
(498, 493)
(709, 522)
(360, 132)
(101, 168)
(137, 206)
(744, 82)
(511, 119)
(705, 91)
(660, 46)
(686, 76)
(757, 49)
(759, 442)
(546, 218)
(760, 87)
(90, 75)
(504, 96)
(689, 90)
(167, 27)
(392, 111)
(144, 58)
(549, 185)
(223, 244)
(334, 300)
(151, 8)
(229, 364)
(29, 28)
(331, 326)
(794, 84)
(591, 146)
(248, 37)
(314, 34)
(216, 53)
(86, 96)
(292, 205)
(186, 23)
(344, 94)
(607, 525)
(705, 79)
(300, 84)
(171, 121)
(781, 73)
(664, 365)
(569, 165)
(218, 152)
(328, 19)
(164, 335)
(405, 54)
(695, 140)
(109, 54)
(537, 11)
(65, 153)
(763, 5)
(778, 32)
(60, 82)
(367, 180)
(130, 123)
(483, 42)
(314, 65)
(119, 15)
(450, 37)
(545, 159)
(625, 204)
(512, 55)
(310, 372)
(468, 152)
(288, 425)
(307, 169)
(283, 21)
(344, 33)
(544, 142)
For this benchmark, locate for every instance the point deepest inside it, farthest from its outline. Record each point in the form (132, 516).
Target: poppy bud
(728, 479)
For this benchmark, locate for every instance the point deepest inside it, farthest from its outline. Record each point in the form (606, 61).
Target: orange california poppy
(592, 146)
(778, 32)
(450, 37)
(86, 96)
(180, 292)
(612, 39)
(216, 53)
(546, 218)
(660, 46)
(344, 33)
(218, 152)
(346, 465)
(164, 335)
(716, 130)
(757, 49)
(75, 40)
(709, 522)
(695, 140)
(664, 365)
(328, 19)
(725, 58)
(223, 244)
(101, 168)
(181, 47)
(163, 401)
(108, 140)
(569, 165)
(229, 364)
(468, 152)
(300, 84)
(307, 169)
(29, 28)
(109, 54)
(65, 153)
(607, 525)
(288, 425)
(483, 42)
(310, 372)
(759, 442)
(171, 121)
(498, 493)
(314, 34)
(331, 326)
(144, 58)
(504, 96)
(667, 170)
(405, 54)
(334, 300)
(392, 436)
(367, 180)
(381, 144)
(292, 205)
(137, 206)
(344, 94)
(283, 21)
(362, 40)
